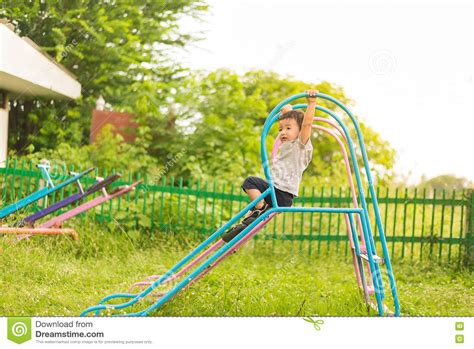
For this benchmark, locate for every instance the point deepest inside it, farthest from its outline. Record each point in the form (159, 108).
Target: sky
(408, 66)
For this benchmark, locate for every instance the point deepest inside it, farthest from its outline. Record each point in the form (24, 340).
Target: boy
(287, 169)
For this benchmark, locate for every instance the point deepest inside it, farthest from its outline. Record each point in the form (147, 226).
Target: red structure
(122, 123)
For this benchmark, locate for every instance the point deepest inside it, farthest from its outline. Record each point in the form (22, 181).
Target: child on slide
(293, 158)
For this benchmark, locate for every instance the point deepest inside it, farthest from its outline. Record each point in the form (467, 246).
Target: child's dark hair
(296, 115)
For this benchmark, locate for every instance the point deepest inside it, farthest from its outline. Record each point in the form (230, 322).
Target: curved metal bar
(351, 181)
(351, 184)
(375, 269)
(246, 233)
(355, 165)
(277, 144)
(375, 206)
(360, 278)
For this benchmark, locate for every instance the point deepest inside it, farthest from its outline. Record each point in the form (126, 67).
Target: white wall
(3, 136)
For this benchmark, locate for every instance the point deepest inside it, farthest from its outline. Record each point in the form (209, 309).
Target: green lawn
(50, 276)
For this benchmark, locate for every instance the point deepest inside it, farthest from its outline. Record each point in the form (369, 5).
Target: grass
(55, 276)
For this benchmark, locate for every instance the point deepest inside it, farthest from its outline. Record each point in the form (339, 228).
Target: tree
(121, 50)
(108, 152)
(230, 111)
(201, 125)
(223, 139)
(327, 165)
(446, 182)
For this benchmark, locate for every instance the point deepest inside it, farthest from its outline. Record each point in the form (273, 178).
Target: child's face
(289, 130)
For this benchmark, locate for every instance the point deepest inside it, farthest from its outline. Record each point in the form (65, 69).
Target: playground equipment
(53, 226)
(101, 183)
(366, 286)
(39, 231)
(359, 230)
(48, 189)
(24, 232)
(56, 222)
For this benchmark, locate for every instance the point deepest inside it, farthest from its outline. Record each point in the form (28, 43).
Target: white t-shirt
(289, 164)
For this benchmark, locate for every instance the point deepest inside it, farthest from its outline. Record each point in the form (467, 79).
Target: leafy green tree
(108, 152)
(446, 182)
(230, 109)
(225, 138)
(201, 125)
(121, 50)
(327, 166)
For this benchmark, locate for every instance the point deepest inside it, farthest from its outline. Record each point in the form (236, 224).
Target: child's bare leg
(253, 194)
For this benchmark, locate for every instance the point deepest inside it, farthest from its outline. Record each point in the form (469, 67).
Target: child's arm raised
(307, 125)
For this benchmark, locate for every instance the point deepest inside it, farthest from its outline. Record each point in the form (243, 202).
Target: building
(122, 123)
(26, 72)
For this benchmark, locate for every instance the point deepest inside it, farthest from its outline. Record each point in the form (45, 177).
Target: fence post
(469, 254)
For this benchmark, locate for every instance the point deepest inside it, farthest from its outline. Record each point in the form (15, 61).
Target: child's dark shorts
(284, 199)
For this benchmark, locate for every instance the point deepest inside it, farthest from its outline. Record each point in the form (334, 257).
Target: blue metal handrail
(48, 189)
(273, 117)
(362, 212)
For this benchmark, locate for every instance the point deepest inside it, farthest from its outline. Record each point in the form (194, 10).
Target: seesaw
(98, 185)
(56, 222)
(27, 225)
(47, 190)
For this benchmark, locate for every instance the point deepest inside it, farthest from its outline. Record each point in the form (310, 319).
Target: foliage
(121, 50)
(200, 125)
(446, 182)
(106, 153)
(230, 109)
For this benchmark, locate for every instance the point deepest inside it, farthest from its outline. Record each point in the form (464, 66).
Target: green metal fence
(418, 224)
